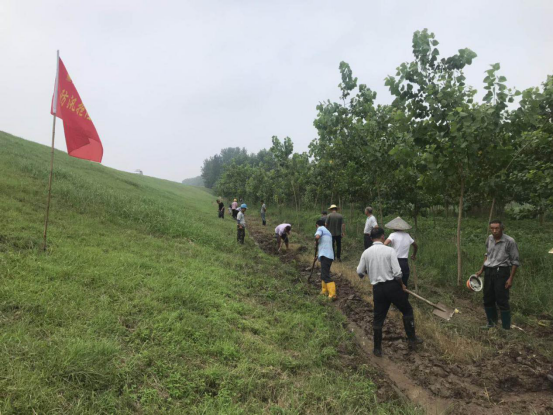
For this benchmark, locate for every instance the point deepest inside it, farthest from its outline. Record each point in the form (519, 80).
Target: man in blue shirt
(325, 254)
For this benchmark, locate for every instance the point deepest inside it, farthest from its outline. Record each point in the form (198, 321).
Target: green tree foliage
(434, 145)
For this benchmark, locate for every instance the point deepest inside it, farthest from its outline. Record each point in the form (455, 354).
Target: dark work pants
(404, 265)
(494, 287)
(326, 263)
(241, 234)
(367, 241)
(234, 213)
(386, 293)
(337, 246)
(222, 214)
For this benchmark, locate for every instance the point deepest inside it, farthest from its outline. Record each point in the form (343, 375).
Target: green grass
(145, 303)
(532, 292)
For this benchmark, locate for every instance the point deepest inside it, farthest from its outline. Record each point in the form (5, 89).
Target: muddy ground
(510, 379)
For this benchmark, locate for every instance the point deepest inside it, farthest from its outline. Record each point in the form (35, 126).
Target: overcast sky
(170, 83)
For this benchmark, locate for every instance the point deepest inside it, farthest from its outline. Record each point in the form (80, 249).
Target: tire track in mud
(511, 380)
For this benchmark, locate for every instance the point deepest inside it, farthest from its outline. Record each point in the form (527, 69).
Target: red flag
(80, 134)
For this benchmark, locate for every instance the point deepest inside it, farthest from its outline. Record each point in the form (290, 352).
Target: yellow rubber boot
(331, 290)
(324, 290)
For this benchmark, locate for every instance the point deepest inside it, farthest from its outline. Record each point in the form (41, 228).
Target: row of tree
(435, 145)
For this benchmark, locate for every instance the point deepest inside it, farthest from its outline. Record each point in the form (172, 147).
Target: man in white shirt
(263, 211)
(401, 241)
(380, 263)
(241, 223)
(281, 234)
(370, 224)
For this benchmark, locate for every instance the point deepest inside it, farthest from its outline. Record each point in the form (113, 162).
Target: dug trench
(510, 378)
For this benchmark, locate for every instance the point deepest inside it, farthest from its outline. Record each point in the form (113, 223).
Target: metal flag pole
(54, 111)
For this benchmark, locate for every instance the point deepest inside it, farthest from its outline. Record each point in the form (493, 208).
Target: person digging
(325, 255)
(281, 234)
(380, 263)
(499, 268)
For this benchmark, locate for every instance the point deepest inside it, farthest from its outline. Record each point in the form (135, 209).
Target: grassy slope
(144, 303)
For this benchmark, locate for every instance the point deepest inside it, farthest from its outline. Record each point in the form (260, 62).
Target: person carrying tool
(263, 211)
(335, 224)
(380, 263)
(370, 224)
(325, 255)
(241, 223)
(234, 207)
(401, 241)
(499, 268)
(281, 234)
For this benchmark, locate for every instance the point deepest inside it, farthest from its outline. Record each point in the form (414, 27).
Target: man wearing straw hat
(401, 241)
(335, 224)
(380, 263)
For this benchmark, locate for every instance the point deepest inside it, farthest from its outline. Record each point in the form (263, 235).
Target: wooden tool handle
(425, 300)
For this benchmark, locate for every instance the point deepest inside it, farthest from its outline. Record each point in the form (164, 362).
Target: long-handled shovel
(314, 261)
(440, 309)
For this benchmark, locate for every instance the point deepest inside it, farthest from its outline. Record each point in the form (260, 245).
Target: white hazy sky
(170, 83)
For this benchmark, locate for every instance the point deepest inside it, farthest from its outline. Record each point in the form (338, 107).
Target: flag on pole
(80, 134)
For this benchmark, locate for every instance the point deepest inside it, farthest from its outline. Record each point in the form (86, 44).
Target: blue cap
(243, 206)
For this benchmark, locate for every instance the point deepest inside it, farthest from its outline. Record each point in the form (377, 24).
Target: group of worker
(386, 262)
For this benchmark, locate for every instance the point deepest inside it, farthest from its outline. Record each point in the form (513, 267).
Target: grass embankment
(145, 303)
(436, 266)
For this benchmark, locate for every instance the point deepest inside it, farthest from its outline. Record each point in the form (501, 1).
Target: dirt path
(510, 379)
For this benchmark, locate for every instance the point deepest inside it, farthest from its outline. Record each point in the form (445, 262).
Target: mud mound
(511, 379)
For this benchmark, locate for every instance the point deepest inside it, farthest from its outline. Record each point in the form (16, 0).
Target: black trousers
(337, 246)
(494, 287)
(222, 213)
(241, 234)
(386, 293)
(234, 213)
(367, 240)
(404, 265)
(326, 263)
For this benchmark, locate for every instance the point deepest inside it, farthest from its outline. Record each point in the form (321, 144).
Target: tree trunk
(415, 215)
(459, 219)
(296, 203)
(380, 204)
(490, 215)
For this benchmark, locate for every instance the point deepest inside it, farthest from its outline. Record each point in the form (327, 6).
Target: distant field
(144, 303)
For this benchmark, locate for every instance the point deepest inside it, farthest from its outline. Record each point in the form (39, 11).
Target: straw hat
(333, 207)
(398, 224)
